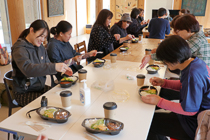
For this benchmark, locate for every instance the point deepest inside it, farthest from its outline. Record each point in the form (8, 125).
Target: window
(32, 11)
(106, 4)
(5, 36)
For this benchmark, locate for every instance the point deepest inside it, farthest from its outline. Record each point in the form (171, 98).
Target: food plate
(99, 62)
(152, 69)
(136, 40)
(68, 81)
(124, 48)
(51, 113)
(147, 90)
(102, 125)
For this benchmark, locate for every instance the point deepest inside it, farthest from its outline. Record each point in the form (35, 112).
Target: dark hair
(102, 16)
(172, 23)
(173, 49)
(140, 9)
(135, 12)
(187, 22)
(161, 12)
(36, 25)
(62, 26)
(119, 23)
(185, 11)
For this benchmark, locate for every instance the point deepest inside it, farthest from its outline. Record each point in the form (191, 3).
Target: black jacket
(30, 64)
(135, 28)
(118, 30)
(100, 40)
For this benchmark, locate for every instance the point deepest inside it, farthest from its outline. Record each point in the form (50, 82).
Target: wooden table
(135, 114)
(136, 51)
(146, 33)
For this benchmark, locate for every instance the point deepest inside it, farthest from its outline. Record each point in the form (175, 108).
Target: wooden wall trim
(99, 6)
(16, 18)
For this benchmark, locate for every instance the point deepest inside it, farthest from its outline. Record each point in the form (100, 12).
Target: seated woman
(183, 12)
(140, 18)
(60, 50)
(31, 64)
(100, 37)
(135, 27)
(195, 37)
(120, 28)
(194, 89)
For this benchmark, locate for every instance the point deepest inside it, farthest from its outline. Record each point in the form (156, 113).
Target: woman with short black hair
(135, 27)
(181, 122)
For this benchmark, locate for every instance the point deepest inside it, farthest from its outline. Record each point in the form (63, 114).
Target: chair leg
(8, 135)
(10, 111)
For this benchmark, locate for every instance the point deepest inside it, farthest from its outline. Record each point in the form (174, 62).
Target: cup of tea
(140, 37)
(140, 79)
(66, 98)
(147, 51)
(113, 57)
(82, 74)
(125, 43)
(110, 109)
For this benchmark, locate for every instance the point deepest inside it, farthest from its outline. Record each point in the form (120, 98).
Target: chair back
(81, 48)
(8, 82)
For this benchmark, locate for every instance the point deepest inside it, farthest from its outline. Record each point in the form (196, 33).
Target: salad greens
(67, 79)
(99, 125)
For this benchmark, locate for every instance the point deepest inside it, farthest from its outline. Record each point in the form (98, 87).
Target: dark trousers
(25, 98)
(167, 124)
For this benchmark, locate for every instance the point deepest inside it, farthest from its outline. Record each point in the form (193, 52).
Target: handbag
(4, 57)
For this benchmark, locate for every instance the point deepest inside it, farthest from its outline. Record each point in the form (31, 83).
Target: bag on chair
(4, 57)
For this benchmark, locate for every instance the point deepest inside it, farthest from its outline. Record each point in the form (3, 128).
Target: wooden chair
(8, 82)
(81, 48)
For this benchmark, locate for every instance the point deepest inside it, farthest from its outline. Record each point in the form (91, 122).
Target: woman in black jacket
(60, 50)
(31, 64)
(120, 28)
(100, 37)
(135, 27)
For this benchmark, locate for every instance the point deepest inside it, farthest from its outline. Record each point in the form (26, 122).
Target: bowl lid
(110, 105)
(113, 54)
(140, 76)
(66, 93)
(82, 71)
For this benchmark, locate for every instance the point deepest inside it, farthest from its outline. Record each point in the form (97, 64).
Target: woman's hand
(144, 61)
(155, 81)
(69, 72)
(77, 58)
(148, 21)
(151, 99)
(154, 50)
(93, 53)
(117, 36)
(61, 67)
(129, 37)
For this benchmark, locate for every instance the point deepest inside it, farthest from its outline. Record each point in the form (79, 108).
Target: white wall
(156, 4)
(70, 13)
(81, 16)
